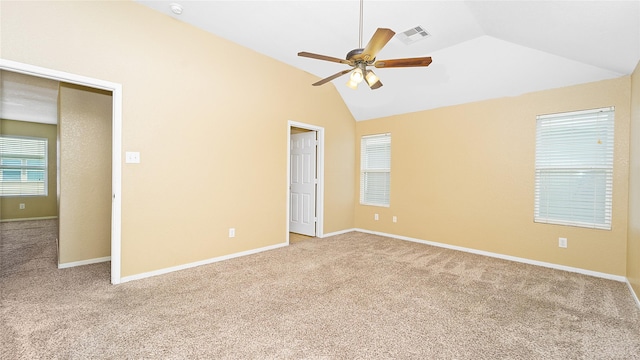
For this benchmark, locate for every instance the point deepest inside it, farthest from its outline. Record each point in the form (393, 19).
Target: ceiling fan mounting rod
(360, 36)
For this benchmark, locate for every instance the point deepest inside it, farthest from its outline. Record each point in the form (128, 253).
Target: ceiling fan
(358, 59)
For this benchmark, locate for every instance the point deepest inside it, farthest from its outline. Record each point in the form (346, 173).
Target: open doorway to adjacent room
(86, 121)
(305, 181)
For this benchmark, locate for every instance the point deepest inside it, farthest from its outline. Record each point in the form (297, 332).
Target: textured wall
(85, 174)
(464, 175)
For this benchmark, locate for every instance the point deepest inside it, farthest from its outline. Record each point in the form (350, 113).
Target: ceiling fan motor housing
(351, 54)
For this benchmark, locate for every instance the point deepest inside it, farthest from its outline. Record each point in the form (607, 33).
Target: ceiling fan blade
(377, 42)
(324, 57)
(334, 76)
(408, 62)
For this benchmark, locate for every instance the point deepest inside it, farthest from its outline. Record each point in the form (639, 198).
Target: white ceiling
(28, 98)
(480, 49)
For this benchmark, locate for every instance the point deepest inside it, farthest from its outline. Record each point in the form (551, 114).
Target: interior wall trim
(30, 219)
(503, 257)
(633, 293)
(200, 263)
(339, 232)
(84, 262)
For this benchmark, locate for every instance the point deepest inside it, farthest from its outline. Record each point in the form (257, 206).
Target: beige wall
(464, 176)
(633, 242)
(209, 118)
(85, 173)
(35, 206)
(461, 175)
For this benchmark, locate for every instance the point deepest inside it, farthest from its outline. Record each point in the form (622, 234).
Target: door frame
(116, 144)
(319, 174)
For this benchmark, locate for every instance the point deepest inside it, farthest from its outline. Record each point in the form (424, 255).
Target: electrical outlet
(232, 232)
(22, 206)
(395, 219)
(132, 157)
(562, 242)
(376, 217)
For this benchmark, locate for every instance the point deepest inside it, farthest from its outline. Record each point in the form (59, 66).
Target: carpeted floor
(351, 296)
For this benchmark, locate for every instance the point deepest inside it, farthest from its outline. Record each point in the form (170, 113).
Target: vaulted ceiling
(480, 49)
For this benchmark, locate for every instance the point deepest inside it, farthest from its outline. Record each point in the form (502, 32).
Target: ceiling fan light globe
(371, 78)
(357, 76)
(352, 84)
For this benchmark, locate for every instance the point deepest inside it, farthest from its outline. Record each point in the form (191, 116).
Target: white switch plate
(395, 219)
(132, 157)
(22, 206)
(232, 232)
(562, 242)
(375, 217)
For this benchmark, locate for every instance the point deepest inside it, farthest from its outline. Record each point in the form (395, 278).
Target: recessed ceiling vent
(412, 35)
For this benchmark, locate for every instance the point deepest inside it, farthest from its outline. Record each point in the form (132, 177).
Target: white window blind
(23, 166)
(574, 168)
(375, 169)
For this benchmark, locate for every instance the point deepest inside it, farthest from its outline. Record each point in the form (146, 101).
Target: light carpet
(351, 296)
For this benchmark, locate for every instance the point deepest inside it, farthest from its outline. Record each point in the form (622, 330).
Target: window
(375, 169)
(574, 168)
(23, 166)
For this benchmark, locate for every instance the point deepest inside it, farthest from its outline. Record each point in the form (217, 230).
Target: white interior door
(303, 183)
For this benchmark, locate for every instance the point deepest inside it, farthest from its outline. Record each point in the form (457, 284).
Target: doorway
(305, 179)
(55, 141)
(116, 141)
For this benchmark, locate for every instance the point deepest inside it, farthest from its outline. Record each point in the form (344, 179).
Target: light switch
(132, 157)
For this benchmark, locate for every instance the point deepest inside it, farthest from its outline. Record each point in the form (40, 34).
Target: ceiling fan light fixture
(352, 84)
(362, 57)
(372, 80)
(357, 76)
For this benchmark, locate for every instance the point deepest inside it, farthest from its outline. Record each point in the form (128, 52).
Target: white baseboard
(502, 256)
(633, 293)
(84, 262)
(29, 219)
(199, 263)
(340, 232)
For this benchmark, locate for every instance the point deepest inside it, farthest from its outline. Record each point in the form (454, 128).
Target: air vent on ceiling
(412, 35)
